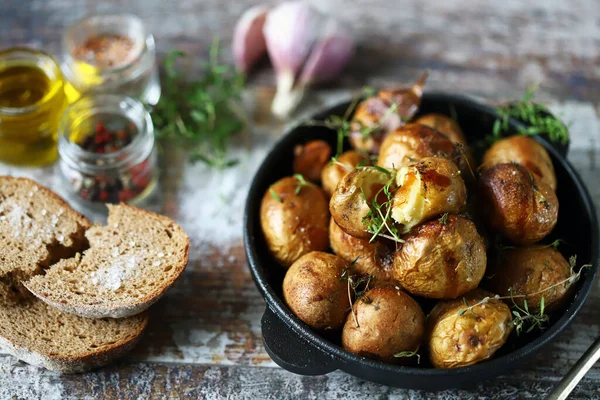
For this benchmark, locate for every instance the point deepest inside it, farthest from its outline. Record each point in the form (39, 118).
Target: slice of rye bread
(131, 262)
(37, 228)
(43, 336)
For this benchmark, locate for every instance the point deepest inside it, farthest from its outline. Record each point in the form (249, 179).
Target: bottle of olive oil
(32, 101)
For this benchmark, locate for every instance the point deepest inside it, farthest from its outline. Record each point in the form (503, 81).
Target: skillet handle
(290, 351)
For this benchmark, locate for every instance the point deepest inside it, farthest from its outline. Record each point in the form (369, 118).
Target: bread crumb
(112, 277)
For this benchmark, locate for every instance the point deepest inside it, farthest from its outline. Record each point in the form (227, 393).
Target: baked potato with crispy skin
(427, 188)
(313, 290)
(389, 322)
(411, 143)
(531, 271)
(350, 202)
(516, 204)
(524, 151)
(294, 224)
(458, 338)
(445, 125)
(375, 259)
(334, 172)
(311, 158)
(441, 259)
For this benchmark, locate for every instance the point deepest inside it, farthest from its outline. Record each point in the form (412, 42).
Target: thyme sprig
(409, 354)
(358, 285)
(522, 316)
(537, 116)
(301, 183)
(275, 195)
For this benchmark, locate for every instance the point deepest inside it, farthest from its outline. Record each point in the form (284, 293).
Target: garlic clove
(248, 39)
(329, 56)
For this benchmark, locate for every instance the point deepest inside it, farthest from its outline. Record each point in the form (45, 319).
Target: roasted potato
(458, 337)
(294, 219)
(374, 259)
(348, 205)
(333, 173)
(383, 323)
(411, 143)
(536, 272)
(441, 259)
(445, 125)
(313, 290)
(516, 204)
(525, 151)
(311, 158)
(427, 188)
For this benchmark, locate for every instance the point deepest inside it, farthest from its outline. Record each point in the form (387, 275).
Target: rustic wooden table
(204, 340)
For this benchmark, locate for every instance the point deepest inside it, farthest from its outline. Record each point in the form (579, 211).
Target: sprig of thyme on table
(198, 113)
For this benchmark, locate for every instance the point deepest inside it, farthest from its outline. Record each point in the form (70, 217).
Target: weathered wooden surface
(204, 339)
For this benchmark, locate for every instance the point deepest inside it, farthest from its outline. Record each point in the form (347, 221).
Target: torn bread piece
(43, 336)
(131, 262)
(37, 228)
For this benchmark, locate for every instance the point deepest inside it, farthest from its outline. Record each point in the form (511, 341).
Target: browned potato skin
(348, 206)
(441, 260)
(459, 340)
(374, 259)
(529, 271)
(313, 290)
(445, 125)
(333, 173)
(389, 322)
(413, 142)
(517, 205)
(441, 187)
(525, 151)
(298, 224)
(311, 158)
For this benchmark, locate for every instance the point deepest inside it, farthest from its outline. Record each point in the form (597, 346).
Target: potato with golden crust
(313, 290)
(445, 125)
(458, 338)
(311, 158)
(350, 202)
(516, 204)
(411, 143)
(427, 188)
(334, 172)
(389, 322)
(294, 223)
(531, 271)
(525, 151)
(441, 259)
(375, 259)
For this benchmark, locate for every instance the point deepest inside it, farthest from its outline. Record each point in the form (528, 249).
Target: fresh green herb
(199, 114)
(379, 215)
(523, 317)
(537, 117)
(409, 354)
(301, 183)
(444, 219)
(358, 285)
(275, 195)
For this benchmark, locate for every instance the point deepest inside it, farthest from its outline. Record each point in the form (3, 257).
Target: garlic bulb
(248, 39)
(305, 47)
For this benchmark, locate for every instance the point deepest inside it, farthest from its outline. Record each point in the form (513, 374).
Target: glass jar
(111, 54)
(106, 147)
(32, 100)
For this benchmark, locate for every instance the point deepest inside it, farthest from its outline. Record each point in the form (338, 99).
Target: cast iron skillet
(295, 347)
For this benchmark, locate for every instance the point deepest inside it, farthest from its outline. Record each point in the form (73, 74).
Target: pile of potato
(433, 198)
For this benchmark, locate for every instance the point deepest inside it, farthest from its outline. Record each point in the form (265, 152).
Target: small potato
(445, 125)
(525, 151)
(517, 205)
(313, 290)
(311, 158)
(374, 259)
(389, 322)
(333, 173)
(531, 271)
(427, 188)
(441, 259)
(458, 338)
(348, 205)
(294, 224)
(412, 143)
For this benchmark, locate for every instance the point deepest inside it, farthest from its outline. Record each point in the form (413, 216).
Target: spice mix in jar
(32, 100)
(106, 145)
(111, 54)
